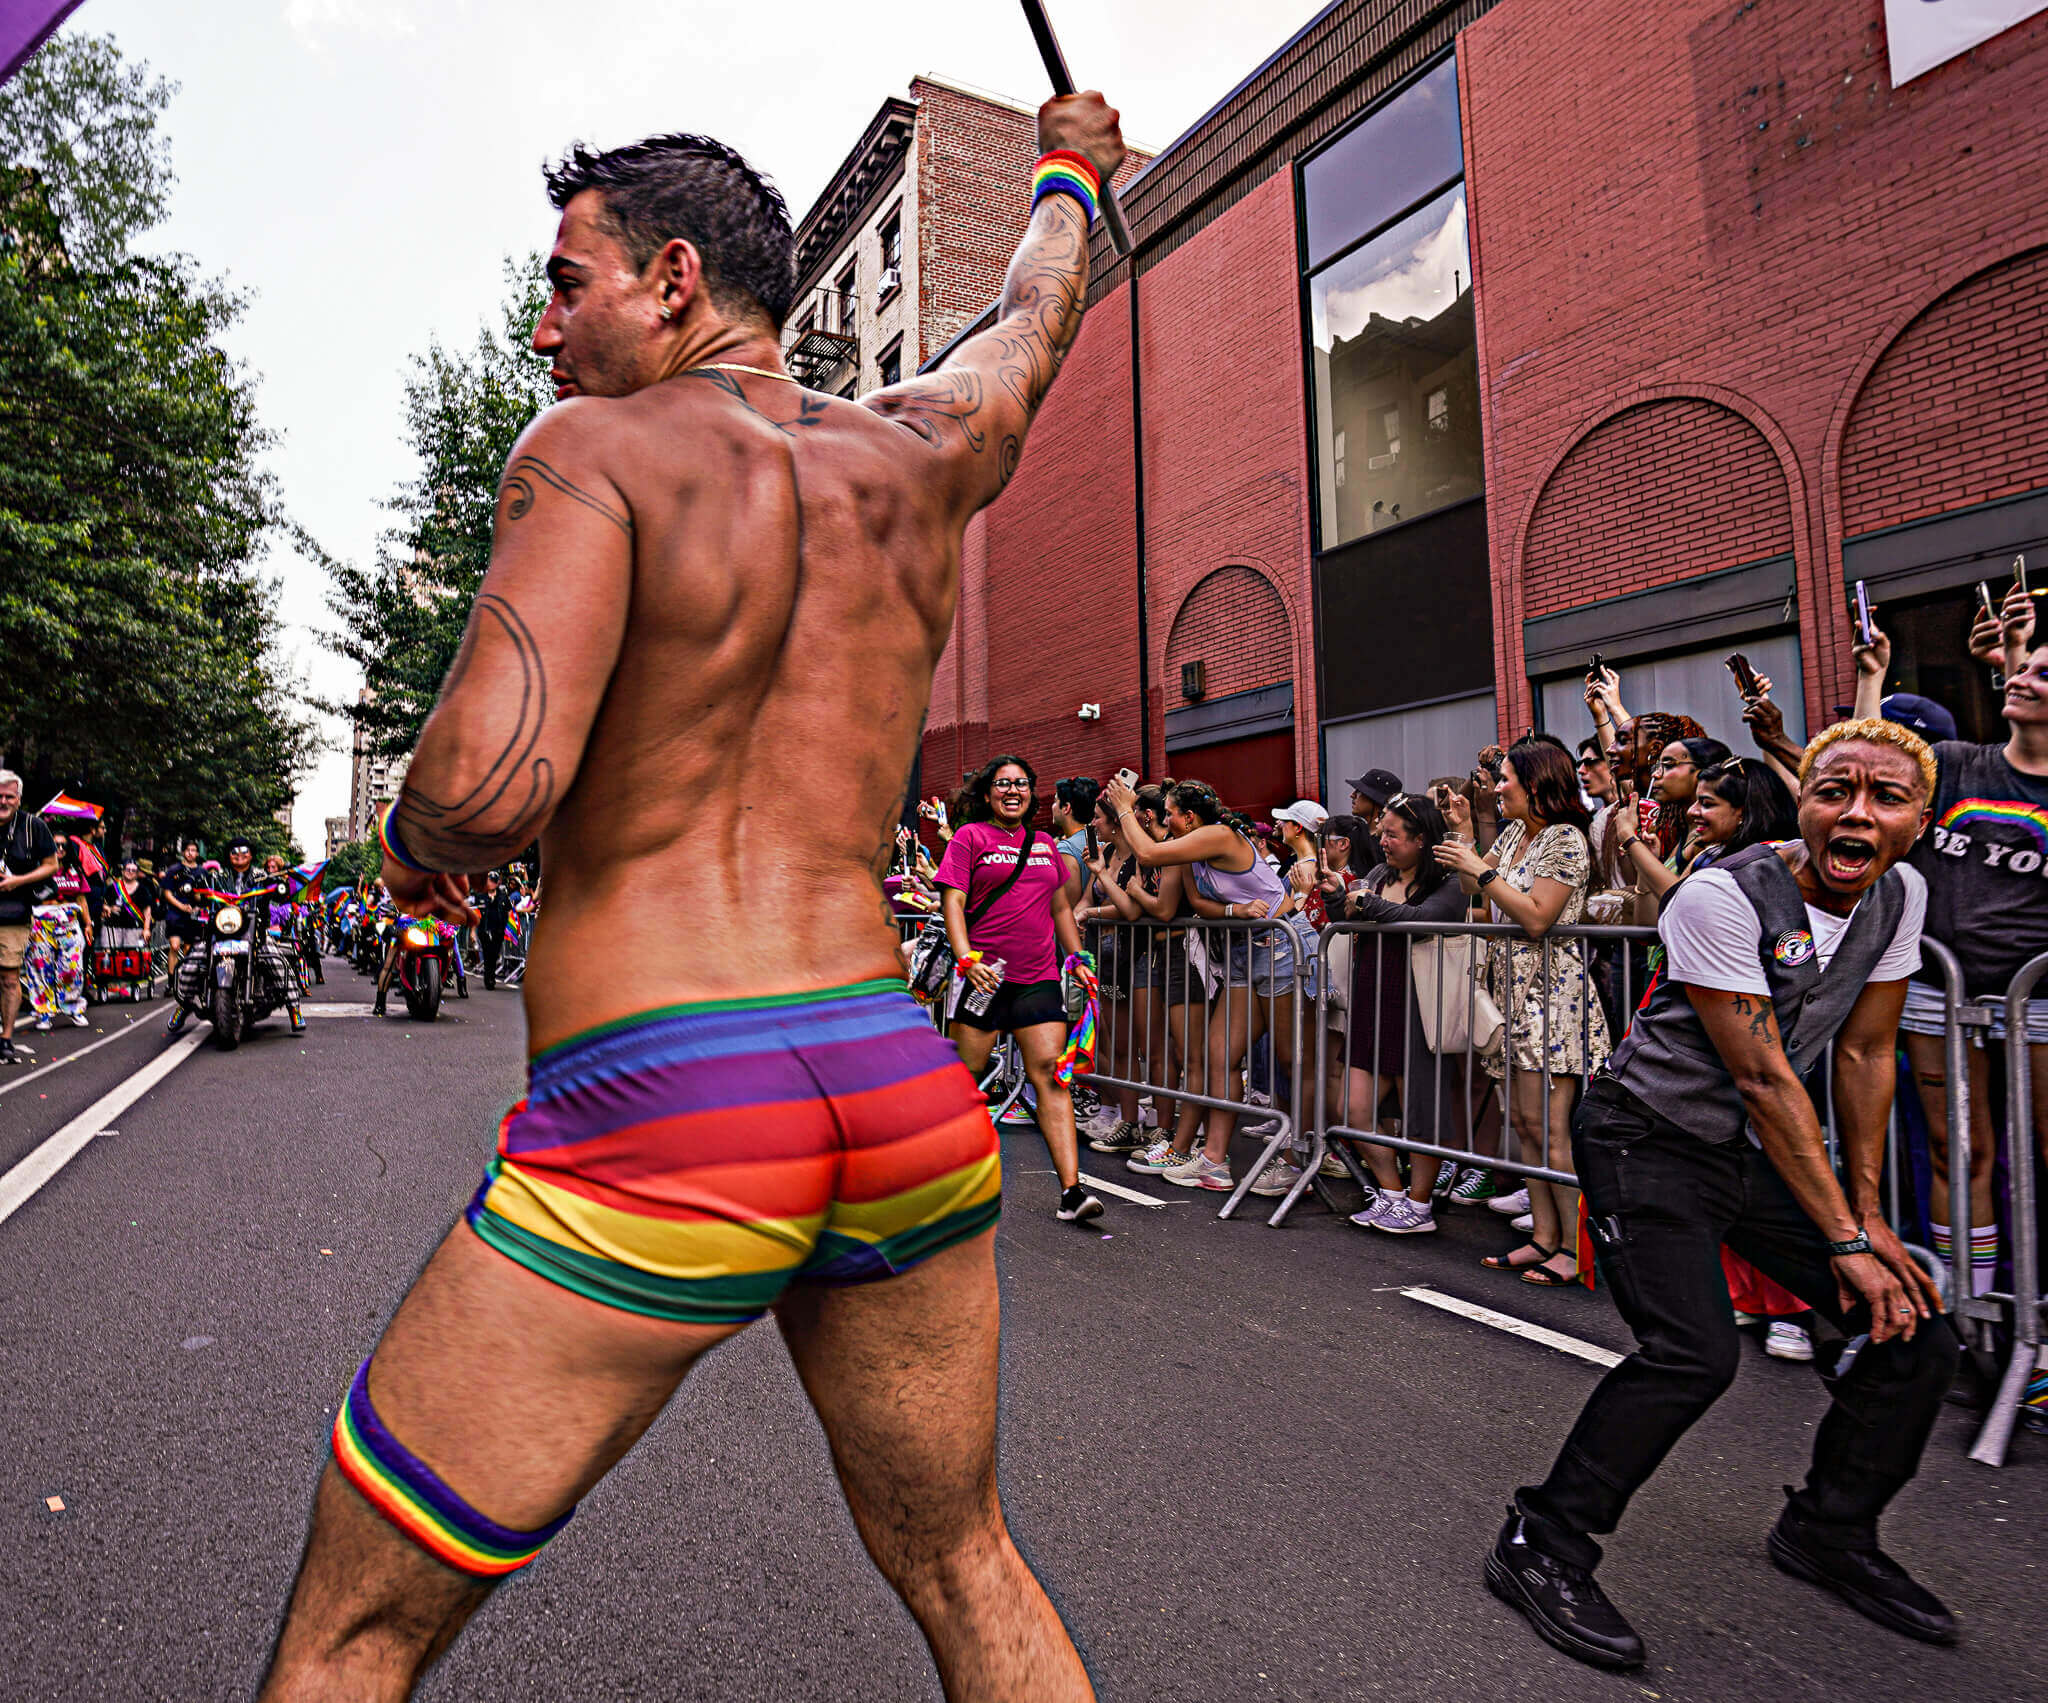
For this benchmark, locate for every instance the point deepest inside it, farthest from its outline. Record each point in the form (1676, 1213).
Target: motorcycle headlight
(418, 938)
(228, 919)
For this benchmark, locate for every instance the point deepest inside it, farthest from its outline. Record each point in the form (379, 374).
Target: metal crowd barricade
(1204, 960)
(1573, 946)
(2026, 1244)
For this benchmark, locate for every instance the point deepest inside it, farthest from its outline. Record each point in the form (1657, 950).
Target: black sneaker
(1077, 1206)
(1563, 1603)
(1865, 1578)
(377, 1010)
(7, 1053)
(176, 1026)
(1127, 1137)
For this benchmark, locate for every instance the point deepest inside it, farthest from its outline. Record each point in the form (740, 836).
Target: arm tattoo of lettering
(518, 489)
(506, 807)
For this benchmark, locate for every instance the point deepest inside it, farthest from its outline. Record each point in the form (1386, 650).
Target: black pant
(1660, 1203)
(490, 943)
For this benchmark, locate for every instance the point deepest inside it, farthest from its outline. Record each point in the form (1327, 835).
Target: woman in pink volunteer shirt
(1026, 925)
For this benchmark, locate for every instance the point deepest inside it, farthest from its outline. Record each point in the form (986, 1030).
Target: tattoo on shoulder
(512, 800)
(811, 408)
(528, 472)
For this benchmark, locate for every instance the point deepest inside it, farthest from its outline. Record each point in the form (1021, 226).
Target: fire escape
(824, 349)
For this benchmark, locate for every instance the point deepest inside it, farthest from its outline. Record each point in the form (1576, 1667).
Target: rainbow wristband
(1063, 172)
(387, 837)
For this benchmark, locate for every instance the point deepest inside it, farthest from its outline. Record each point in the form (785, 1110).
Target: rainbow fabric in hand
(1077, 1057)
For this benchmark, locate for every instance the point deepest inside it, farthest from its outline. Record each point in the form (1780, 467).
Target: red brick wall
(1655, 494)
(1226, 444)
(1235, 625)
(1956, 411)
(974, 160)
(1747, 213)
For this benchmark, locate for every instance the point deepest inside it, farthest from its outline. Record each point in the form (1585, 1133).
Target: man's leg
(384, 979)
(1868, 1446)
(482, 1358)
(903, 1375)
(10, 999)
(1658, 1200)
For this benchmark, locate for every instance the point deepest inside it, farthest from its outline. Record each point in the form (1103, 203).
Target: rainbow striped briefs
(408, 1493)
(692, 1162)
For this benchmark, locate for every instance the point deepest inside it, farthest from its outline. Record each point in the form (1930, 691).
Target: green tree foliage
(402, 617)
(139, 639)
(354, 864)
(85, 122)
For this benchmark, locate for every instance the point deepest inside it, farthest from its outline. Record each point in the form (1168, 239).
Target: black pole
(1063, 84)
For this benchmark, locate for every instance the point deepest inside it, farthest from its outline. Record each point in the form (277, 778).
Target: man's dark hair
(703, 192)
(184, 844)
(1079, 796)
(1590, 746)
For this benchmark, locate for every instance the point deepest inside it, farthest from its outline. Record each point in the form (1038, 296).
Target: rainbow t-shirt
(1986, 862)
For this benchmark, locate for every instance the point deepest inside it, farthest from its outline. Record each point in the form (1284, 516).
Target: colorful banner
(305, 881)
(65, 808)
(1922, 34)
(24, 26)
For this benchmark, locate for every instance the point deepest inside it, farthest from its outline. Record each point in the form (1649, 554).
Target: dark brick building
(1472, 339)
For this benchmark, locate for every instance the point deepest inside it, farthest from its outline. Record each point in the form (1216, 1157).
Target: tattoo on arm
(1762, 1029)
(508, 806)
(519, 490)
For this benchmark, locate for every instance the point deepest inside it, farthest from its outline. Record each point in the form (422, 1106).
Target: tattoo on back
(528, 470)
(512, 800)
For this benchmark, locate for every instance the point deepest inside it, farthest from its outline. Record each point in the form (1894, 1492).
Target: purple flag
(24, 26)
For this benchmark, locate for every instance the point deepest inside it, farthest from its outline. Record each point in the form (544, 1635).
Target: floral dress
(1559, 1027)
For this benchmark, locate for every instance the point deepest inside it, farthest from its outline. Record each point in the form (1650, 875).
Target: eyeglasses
(1590, 762)
(1009, 786)
(1664, 765)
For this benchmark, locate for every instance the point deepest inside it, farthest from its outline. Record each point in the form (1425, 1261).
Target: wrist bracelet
(1856, 1244)
(1064, 172)
(1487, 878)
(387, 837)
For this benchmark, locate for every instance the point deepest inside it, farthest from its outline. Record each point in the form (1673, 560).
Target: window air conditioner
(891, 279)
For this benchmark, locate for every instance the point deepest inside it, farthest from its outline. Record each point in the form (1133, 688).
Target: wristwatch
(1490, 876)
(1856, 1244)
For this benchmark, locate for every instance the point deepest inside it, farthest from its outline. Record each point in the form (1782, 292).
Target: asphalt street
(1246, 1464)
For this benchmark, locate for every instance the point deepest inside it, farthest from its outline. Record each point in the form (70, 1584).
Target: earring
(667, 312)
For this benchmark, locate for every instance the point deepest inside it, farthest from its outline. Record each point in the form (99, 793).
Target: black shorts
(1018, 1005)
(182, 928)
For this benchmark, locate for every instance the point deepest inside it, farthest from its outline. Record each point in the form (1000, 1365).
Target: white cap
(1303, 813)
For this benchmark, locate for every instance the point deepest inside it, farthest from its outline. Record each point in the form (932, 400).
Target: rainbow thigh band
(408, 1493)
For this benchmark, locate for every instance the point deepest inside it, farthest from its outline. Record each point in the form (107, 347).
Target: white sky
(362, 166)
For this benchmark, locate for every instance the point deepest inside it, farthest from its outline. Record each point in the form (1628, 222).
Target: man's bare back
(793, 577)
(698, 670)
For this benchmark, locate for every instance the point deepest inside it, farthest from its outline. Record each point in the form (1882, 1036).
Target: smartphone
(1594, 669)
(1984, 597)
(1129, 777)
(1746, 681)
(2019, 573)
(1094, 849)
(1866, 625)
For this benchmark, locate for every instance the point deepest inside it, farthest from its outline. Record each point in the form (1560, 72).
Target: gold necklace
(740, 367)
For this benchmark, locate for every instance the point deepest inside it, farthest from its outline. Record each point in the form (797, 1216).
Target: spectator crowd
(1479, 1043)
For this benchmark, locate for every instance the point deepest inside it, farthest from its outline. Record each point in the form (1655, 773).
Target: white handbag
(1456, 1009)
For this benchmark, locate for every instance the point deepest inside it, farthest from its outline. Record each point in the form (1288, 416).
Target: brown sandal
(1508, 1262)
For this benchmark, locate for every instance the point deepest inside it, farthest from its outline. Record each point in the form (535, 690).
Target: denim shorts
(1926, 1013)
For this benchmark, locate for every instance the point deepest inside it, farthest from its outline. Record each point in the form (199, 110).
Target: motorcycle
(234, 976)
(425, 953)
(373, 938)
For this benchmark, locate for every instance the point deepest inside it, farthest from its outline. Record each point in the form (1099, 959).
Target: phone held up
(1129, 777)
(1746, 681)
(1866, 622)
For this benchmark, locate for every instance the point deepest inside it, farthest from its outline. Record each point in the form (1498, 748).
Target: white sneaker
(1332, 1166)
(1526, 1223)
(1276, 1178)
(1405, 1217)
(79, 1020)
(1200, 1172)
(1160, 1156)
(1787, 1341)
(1510, 1203)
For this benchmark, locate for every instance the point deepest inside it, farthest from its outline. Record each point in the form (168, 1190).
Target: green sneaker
(1475, 1185)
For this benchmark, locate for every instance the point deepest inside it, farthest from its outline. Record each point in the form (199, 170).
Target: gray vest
(1666, 1059)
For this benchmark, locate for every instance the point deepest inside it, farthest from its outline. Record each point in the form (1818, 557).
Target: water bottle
(978, 1000)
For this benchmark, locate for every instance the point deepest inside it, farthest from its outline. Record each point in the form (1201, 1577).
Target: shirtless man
(698, 669)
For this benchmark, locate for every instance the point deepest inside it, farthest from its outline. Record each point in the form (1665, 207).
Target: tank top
(1235, 887)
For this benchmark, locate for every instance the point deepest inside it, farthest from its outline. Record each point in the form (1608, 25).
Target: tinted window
(1397, 375)
(1390, 161)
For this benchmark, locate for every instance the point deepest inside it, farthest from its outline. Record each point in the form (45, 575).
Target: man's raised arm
(505, 739)
(975, 410)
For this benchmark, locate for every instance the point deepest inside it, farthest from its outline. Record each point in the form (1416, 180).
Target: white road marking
(338, 1008)
(19, 1185)
(1122, 1193)
(127, 1028)
(1515, 1327)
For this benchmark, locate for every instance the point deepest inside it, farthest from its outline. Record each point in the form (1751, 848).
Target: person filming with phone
(1702, 1131)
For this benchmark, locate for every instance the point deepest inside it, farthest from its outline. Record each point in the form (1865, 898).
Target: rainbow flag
(24, 26)
(305, 881)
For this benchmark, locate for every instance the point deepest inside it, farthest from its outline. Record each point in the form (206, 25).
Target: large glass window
(1388, 161)
(1397, 374)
